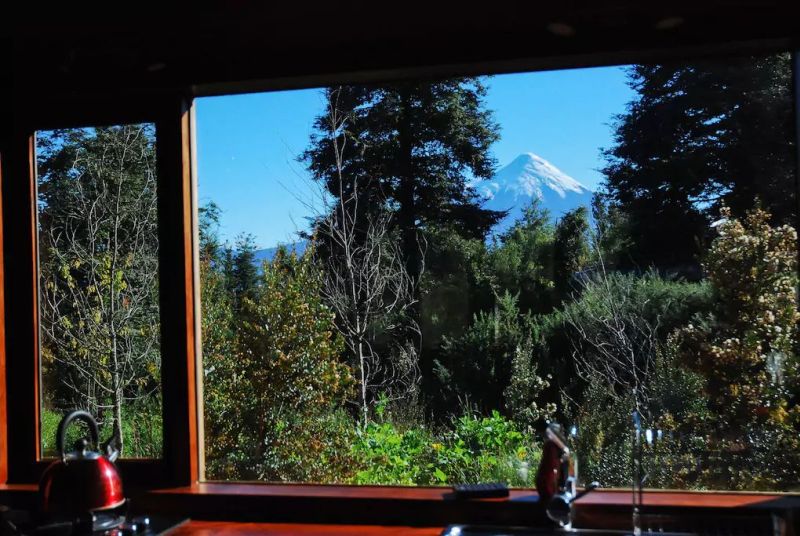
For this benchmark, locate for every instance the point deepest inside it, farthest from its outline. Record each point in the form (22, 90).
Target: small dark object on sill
(486, 490)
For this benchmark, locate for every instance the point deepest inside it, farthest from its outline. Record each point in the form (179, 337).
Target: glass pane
(402, 283)
(98, 287)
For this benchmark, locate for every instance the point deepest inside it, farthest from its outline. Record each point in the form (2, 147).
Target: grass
(142, 433)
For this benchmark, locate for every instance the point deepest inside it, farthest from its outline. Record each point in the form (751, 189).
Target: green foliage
(668, 301)
(475, 449)
(272, 398)
(676, 407)
(625, 314)
(497, 451)
(610, 234)
(522, 262)
(745, 350)
(98, 241)
(716, 390)
(142, 426)
(454, 286)
(411, 150)
(745, 346)
(696, 135)
(570, 250)
(603, 441)
(525, 388)
(477, 368)
(389, 455)
(243, 277)
(622, 314)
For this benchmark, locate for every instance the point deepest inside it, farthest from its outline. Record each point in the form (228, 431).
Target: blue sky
(248, 144)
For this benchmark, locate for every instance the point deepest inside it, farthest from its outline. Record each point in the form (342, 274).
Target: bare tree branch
(365, 279)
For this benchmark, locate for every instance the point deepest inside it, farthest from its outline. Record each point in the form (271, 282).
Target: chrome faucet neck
(559, 507)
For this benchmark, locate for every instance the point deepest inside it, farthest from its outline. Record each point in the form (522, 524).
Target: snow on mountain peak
(528, 174)
(528, 177)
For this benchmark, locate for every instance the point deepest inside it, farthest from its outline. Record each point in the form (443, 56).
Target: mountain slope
(512, 188)
(268, 254)
(527, 177)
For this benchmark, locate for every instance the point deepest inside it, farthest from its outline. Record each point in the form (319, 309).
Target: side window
(98, 283)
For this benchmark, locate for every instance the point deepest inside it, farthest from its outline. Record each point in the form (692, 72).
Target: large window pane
(401, 283)
(98, 283)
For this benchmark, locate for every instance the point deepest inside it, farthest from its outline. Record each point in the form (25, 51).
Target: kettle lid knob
(82, 446)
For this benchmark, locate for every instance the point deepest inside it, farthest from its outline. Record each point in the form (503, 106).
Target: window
(100, 337)
(400, 281)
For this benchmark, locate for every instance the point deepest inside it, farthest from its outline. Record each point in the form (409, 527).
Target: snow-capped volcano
(527, 177)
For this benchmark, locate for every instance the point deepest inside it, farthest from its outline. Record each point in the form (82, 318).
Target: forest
(411, 344)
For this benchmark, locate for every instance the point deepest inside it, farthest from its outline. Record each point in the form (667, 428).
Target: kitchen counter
(417, 511)
(208, 528)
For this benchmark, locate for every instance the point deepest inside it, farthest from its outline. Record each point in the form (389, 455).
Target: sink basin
(485, 530)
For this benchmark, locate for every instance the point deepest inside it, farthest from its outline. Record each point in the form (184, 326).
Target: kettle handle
(61, 435)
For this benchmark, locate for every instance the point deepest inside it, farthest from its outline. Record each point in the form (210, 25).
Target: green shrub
(142, 431)
(388, 455)
(272, 399)
(476, 449)
(495, 450)
(496, 353)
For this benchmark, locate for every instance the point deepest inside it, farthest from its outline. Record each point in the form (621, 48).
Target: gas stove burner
(103, 522)
(110, 521)
(96, 525)
(114, 522)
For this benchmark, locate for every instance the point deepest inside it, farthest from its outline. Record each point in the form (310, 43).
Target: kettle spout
(110, 448)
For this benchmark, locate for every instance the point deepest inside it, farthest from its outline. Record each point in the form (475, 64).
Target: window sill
(203, 528)
(434, 506)
(378, 505)
(418, 506)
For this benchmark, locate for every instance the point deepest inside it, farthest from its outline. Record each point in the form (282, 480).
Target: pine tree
(609, 235)
(244, 271)
(522, 263)
(570, 250)
(210, 247)
(412, 148)
(696, 136)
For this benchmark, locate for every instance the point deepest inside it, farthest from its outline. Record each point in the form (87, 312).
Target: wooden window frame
(178, 473)
(171, 116)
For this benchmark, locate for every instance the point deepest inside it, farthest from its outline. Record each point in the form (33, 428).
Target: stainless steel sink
(485, 530)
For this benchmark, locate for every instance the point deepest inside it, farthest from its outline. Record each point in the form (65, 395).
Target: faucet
(557, 478)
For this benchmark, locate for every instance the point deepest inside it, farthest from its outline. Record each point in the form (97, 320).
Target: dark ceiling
(77, 52)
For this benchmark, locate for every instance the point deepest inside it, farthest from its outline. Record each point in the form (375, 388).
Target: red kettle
(80, 481)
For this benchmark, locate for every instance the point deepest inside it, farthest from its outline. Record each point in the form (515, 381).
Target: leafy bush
(388, 455)
(141, 430)
(272, 401)
(618, 331)
(604, 422)
(744, 347)
(745, 351)
(613, 329)
(492, 366)
(475, 449)
(495, 449)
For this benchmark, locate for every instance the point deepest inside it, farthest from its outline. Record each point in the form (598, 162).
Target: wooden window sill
(203, 528)
(251, 504)
(434, 506)
(602, 497)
